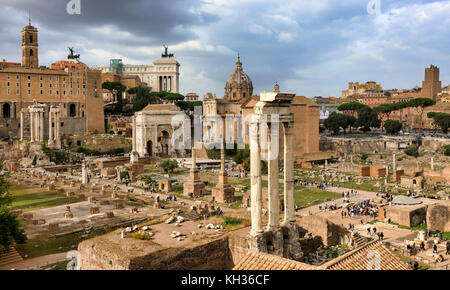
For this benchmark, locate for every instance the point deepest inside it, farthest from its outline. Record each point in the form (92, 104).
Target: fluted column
(41, 126)
(134, 134)
(255, 179)
(31, 126)
(50, 128)
(273, 179)
(289, 209)
(21, 125)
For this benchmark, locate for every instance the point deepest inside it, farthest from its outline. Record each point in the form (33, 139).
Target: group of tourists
(363, 208)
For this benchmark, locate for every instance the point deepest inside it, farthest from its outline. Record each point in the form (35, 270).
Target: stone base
(223, 193)
(257, 243)
(277, 242)
(193, 188)
(294, 250)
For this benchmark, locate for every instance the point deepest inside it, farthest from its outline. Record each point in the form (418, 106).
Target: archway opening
(6, 111)
(150, 148)
(72, 110)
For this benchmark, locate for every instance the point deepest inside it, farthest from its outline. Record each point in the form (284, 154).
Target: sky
(311, 48)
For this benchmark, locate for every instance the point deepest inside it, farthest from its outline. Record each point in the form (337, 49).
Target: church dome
(239, 76)
(239, 85)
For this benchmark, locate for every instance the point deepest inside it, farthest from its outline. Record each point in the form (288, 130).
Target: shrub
(229, 221)
(364, 156)
(392, 126)
(412, 151)
(141, 236)
(447, 150)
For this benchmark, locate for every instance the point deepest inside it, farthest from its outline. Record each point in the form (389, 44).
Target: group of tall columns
(37, 129)
(273, 177)
(54, 125)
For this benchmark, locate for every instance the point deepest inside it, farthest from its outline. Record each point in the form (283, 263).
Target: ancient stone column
(50, 128)
(255, 179)
(326, 164)
(394, 162)
(31, 125)
(289, 207)
(57, 129)
(273, 178)
(84, 178)
(194, 159)
(41, 126)
(21, 125)
(432, 163)
(134, 134)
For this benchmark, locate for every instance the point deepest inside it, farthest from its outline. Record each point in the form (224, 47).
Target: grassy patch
(48, 244)
(29, 198)
(305, 196)
(406, 260)
(421, 227)
(57, 266)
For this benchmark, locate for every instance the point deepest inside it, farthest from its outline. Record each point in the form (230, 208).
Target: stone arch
(163, 142)
(150, 147)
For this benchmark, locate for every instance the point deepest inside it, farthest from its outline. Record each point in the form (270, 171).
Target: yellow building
(69, 86)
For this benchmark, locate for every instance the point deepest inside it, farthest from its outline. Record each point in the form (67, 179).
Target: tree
(447, 150)
(335, 122)
(442, 120)
(412, 151)
(349, 122)
(420, 104)
(399, 106)
(367, 118)
(10, 228)
(392, 126)
(351, 108)
(169, 165)
(116, 89)
(143, 97)
(383, 112)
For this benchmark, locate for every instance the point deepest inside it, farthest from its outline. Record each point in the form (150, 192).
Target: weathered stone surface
(438, 217)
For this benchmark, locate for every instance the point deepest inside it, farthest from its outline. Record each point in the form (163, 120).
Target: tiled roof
(262, 261)
(159, 107)
(374, 255)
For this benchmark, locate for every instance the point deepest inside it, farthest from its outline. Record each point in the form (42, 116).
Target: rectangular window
(42, 92)
(17, 92)
(29, 77)
(9, 91)
(9, 76)
(9, 84)
(29, 85)
(29, 92)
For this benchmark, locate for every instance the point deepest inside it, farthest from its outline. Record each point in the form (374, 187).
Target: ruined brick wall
(409, 216)
(330, 233)
(98, 254)
(438, 217)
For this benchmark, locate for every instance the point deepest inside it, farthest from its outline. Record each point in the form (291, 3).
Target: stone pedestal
(223, 192)
(294, 248)
(257, 242)
(193, 187)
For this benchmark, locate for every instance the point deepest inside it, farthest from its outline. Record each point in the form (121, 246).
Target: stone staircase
(12, 256)
(359, 241)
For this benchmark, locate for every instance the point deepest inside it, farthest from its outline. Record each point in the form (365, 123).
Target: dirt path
(36, 263)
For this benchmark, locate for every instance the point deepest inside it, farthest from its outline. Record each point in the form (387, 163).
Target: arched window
(6, 111)
(31, 52)
(31, 38)
(72, 110)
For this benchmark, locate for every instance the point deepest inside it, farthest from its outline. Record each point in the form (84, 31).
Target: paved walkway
(36, 263)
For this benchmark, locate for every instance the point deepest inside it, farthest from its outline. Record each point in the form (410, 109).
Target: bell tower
(30, 56)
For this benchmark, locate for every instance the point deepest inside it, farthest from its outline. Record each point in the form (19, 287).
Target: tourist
(447, 246)
(369, 232)
(374, 230)
(422, 246)
(416, 266)
(435, 249)
(440, 259)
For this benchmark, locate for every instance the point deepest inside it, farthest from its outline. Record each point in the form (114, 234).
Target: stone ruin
(194, 187)
(278, 239)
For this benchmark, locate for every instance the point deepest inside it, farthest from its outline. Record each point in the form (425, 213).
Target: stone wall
(97, 254)
(438, 217)
(405, 215)
(383, 144)
(330, 233)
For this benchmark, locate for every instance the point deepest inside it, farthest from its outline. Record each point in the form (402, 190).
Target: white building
(163, 75)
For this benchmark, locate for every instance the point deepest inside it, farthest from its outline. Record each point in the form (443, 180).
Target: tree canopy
(10, 228)
(392, 126)
(367, 118)
(442, 120)
(351, 108)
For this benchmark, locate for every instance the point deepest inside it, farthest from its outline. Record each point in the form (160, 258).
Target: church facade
(237, 107)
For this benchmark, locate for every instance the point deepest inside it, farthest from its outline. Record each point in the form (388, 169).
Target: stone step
(12, 256)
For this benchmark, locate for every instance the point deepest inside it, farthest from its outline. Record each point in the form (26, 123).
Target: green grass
(446, 236)
(32, 198)
(48, 244)
(305, 197)
(421, 227)
(406, 260)
(57, 266)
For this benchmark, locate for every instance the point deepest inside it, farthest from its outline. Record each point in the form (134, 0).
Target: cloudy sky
(310, 47)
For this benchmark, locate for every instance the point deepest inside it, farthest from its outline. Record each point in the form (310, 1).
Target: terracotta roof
(160, 107)
(365, 257)
(262, 261)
